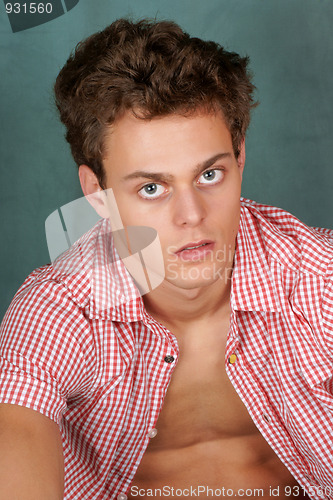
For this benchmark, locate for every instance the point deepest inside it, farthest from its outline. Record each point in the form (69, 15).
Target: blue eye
(151, 191)
(212, 176)
(209, 175)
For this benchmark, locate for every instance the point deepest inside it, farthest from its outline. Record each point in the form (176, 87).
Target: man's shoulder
(44, 306)
(286, 239)
(67, 277)
(284, 219)
(87, 278)
(47, 280)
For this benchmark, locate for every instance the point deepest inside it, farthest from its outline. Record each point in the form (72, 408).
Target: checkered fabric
(78, 346)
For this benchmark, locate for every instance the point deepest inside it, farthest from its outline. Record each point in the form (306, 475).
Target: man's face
(179, 175)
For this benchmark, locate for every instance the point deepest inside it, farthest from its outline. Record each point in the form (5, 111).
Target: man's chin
(198, 276)
(190, 283)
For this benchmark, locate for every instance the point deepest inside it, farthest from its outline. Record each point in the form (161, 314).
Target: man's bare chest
(205, 434)
(201, 403)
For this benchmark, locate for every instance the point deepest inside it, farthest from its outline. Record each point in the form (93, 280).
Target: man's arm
(31, 458)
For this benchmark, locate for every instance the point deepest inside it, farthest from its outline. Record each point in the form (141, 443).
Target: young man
(218, 382)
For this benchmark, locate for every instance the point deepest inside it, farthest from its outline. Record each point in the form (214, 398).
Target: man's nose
(189, 208)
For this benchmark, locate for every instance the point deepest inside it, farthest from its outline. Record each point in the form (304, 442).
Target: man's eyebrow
(164, 177)
(208, 163)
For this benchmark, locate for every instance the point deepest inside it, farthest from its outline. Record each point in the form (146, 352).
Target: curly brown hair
(153, 69)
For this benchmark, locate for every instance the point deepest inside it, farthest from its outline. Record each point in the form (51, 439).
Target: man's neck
(179, 308)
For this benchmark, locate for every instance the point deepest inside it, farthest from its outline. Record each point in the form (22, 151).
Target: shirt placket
(167, 362)
(244, 381)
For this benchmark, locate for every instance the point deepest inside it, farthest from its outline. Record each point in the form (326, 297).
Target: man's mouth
(197, 246)
(194, 245)
(195, 250)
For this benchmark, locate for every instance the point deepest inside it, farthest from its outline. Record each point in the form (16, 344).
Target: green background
(290, 44)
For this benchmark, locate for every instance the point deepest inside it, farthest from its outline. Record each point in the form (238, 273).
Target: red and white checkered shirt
(79, 347)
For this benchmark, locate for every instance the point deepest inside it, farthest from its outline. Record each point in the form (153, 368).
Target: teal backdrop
(289, 144)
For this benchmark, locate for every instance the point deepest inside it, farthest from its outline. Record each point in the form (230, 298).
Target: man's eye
(211, 176)
(151, 191)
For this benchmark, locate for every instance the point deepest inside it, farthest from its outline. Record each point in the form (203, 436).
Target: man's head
(153, 69)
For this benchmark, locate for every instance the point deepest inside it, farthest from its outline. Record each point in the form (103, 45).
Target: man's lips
(194, 245)
(195, 250)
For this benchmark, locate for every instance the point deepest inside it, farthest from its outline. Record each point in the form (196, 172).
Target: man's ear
(241, 157)
(92, 190)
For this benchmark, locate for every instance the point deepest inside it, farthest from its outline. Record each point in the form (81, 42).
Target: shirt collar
(253, 287)
(112, 294)
(98, 280)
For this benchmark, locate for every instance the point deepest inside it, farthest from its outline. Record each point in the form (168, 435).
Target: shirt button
(122, 496)
(169, 359)
(152, 433)
(266, 417)
(232, 359)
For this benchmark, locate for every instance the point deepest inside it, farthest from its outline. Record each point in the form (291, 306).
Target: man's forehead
(136, 116)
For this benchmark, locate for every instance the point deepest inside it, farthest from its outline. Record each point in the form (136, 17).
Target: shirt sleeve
(44, 341)
(324, 391)
(327, 307)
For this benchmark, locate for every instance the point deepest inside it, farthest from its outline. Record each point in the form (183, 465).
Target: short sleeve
(44, 344)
